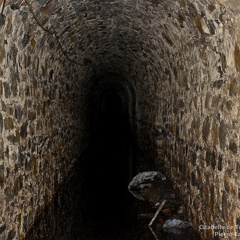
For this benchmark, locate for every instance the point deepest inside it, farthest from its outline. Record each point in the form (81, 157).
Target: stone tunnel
(169, 70)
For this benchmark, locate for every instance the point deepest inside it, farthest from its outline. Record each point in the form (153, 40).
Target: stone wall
(198, 121)
(182, 60)
(40, 130)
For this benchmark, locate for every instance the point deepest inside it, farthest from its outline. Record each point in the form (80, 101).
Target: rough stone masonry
(181, 58)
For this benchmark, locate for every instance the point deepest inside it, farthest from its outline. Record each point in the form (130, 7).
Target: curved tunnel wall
(180, 57)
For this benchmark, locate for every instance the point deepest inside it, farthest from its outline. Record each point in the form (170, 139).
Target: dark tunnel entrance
(109, 160)
(108, 166)
(95, 203)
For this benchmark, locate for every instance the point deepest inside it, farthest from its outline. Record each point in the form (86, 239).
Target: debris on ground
(176, 226)
(142, 181)
(157, 212)
(153, 187)
(157, 191)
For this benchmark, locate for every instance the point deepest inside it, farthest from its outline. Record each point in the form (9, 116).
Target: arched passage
(110, 162)
(181, 59)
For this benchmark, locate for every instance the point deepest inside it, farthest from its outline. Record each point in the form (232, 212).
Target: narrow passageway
(108, 204)
(93, 92)
(107, 167)
(95, 204)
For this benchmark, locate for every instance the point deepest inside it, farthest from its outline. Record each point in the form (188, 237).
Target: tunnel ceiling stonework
(182, 59)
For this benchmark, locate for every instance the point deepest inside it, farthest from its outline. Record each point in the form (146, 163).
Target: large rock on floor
(153, 187)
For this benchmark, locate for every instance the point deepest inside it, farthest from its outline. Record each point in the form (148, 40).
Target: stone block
(9, 194)
(23, 131)
(223, 134)
(225, 210)
(8, 123)
(2, 228)
(1, 123)
(206, 129)
(7, 90)
(32, 115)
(220, 163)
(2, 20)
(233, 147)
(2, 53)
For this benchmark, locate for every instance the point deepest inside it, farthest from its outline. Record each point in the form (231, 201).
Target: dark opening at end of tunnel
(109, 160)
